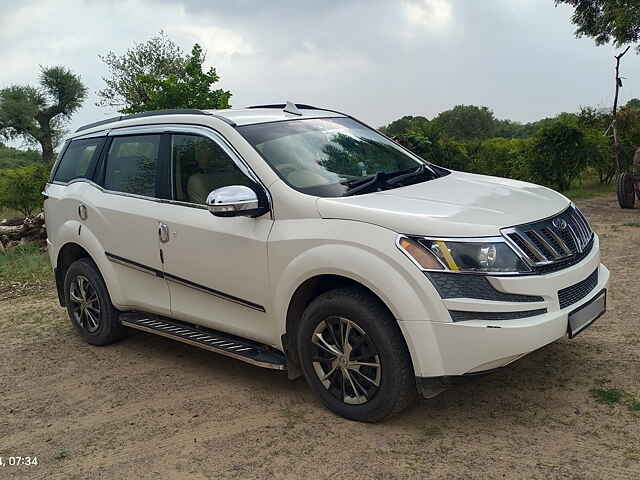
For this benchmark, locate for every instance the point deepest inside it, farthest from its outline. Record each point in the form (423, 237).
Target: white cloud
(216, 41)
(428, 14)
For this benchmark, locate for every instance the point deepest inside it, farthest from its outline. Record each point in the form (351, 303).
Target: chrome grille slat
(563, 245)
(532, 247)
(550, 248)
(552, 240)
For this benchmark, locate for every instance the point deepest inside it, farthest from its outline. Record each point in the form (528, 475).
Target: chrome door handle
(163, 233)
(82, 211)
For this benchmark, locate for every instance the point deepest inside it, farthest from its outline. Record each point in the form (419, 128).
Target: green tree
(13, 157)
(633, 103)
(606, 21)
(37, 115)
(189, 88)
(559, 154)
(21, 188)
(157, 74)
(503, 157)
(407, 125)
(466, 122)
(440, 151)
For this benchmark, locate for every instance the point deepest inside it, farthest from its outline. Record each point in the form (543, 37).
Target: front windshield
(327, 156)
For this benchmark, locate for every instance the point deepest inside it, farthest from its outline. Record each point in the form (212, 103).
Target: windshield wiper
(382, 179)
(401, 178)
(378, 179)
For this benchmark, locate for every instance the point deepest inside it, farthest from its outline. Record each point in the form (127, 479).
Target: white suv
(298, 238)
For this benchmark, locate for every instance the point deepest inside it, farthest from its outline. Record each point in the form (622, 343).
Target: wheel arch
(304, 294)
(68, 253)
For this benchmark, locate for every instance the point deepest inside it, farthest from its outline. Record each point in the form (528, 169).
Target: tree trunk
(46, 136)
(616, 139)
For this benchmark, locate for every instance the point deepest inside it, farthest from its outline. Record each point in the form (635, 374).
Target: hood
(456, 205)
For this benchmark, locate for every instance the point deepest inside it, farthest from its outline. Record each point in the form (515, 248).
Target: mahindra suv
(298, 238)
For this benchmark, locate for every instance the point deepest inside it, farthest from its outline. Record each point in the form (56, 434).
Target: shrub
(441, 151)
(559, 154)
(21, 188)
(502, 157)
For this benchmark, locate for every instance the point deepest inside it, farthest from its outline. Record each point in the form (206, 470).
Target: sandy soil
(152, 408)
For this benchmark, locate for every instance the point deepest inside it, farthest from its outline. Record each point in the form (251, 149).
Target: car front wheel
(354, 357)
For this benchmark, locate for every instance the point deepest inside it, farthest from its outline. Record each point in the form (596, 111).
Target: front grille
(575, 293)
(558, 240)
(456, 285)
(460, 315)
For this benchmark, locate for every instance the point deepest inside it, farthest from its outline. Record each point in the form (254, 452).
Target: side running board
(229, 345)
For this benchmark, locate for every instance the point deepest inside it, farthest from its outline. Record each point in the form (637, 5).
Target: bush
(444, 152)
(559, 153)
(21, 188)
(502, 157)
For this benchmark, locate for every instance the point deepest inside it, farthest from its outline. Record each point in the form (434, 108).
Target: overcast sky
(378, 60)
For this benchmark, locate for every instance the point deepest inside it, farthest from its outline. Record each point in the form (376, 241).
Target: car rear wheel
(89, 305)
(354, 357)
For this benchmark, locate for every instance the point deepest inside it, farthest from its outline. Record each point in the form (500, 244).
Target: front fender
(371, 259)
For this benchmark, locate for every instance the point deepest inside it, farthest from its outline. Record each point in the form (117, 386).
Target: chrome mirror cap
(233, 201)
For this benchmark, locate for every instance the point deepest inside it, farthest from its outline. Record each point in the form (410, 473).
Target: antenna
(290, 107)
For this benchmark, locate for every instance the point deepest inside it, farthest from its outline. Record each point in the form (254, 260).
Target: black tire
(377, 340)
(626, 191)
(91, 313)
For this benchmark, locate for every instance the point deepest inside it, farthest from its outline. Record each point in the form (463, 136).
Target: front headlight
(478, 255)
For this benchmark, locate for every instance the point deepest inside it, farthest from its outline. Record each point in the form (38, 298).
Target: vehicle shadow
(522, 391)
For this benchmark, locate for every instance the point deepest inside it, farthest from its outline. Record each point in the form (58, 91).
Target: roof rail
(299, 106)
(154, 113)
(282, 106)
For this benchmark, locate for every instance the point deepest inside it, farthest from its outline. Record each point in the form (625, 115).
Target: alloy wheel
(85, 304)
(346, 360)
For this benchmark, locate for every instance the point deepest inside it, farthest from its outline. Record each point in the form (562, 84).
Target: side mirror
(237, 201)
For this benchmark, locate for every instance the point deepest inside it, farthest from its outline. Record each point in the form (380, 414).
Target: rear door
(127, 216)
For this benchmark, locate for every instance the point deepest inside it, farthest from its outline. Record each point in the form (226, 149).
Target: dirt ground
(152, 408)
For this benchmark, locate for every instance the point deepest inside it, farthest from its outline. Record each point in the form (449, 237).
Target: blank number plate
(587, 314)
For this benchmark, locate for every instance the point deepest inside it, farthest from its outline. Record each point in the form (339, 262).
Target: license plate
(584, 316)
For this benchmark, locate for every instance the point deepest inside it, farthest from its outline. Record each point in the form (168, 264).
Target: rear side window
(132, 165)
(79, 160)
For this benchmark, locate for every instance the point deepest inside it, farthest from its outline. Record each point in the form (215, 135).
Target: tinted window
(199, 166)
(132, 165)
(79, 160)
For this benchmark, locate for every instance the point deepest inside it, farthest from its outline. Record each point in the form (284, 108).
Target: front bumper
(448, 348)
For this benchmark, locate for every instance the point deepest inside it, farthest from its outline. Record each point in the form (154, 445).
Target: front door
(216, 268)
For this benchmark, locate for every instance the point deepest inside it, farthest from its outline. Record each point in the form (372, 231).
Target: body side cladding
(182, 281)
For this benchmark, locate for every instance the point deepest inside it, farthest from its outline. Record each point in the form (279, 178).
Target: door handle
(163, 233)
(82, 211)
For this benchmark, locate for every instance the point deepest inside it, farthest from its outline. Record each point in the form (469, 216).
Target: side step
(225, 344)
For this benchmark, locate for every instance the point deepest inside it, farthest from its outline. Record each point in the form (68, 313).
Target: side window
(79, 160)
(200, 165)
(132, 165)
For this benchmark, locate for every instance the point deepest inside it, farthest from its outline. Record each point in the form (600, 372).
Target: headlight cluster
(480, 255)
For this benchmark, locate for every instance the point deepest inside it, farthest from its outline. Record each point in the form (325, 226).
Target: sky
(377, 60)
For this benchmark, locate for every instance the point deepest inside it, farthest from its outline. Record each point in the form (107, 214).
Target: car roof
(264, 114)
(232, 116)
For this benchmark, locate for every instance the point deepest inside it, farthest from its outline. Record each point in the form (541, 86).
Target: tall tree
(606, 21)
(189, 88)
(609, 21)
(466, 122)
(38, 115)
(158, 74)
